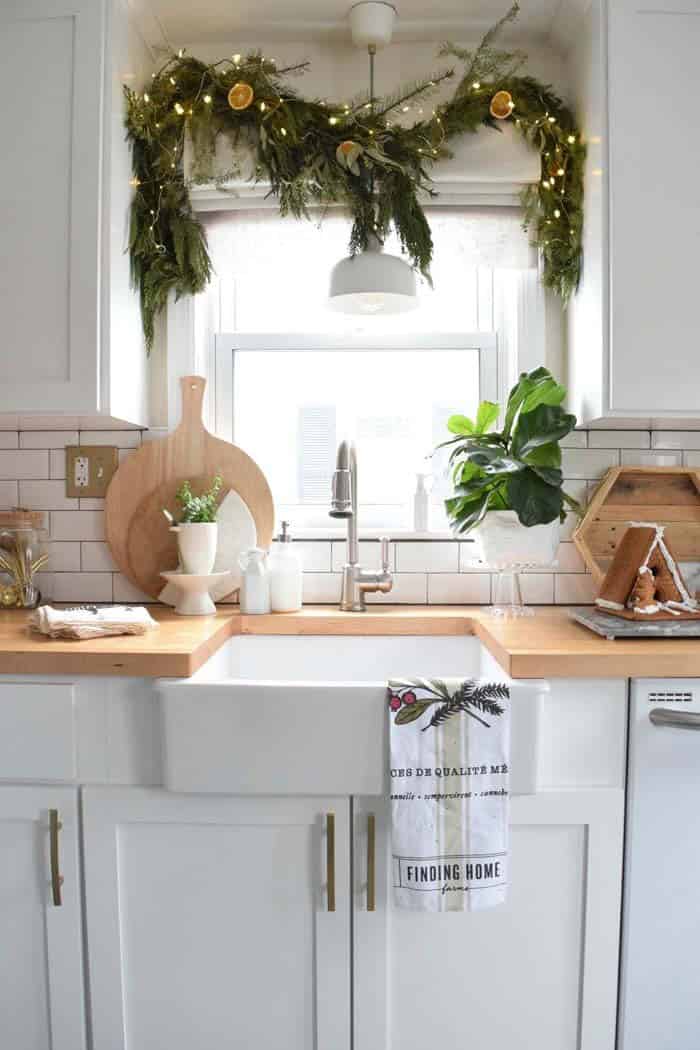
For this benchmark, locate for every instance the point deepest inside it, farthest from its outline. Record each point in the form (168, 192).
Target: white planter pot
(196, 543)
(503, 542)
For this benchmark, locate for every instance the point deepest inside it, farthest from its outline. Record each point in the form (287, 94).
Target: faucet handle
(385, 555)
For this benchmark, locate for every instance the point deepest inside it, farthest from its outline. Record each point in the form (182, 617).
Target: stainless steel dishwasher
(660, 972)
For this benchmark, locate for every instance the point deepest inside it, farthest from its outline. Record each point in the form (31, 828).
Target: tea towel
(449, 773)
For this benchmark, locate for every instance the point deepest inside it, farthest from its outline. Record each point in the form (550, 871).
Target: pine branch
(482, 697)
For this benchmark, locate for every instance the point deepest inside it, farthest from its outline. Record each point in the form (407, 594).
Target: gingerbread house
(644, 581)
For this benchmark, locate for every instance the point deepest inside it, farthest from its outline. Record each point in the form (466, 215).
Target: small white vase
(504, 543)
(196, 543)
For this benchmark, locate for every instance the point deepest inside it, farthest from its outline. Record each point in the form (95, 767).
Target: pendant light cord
(372, 51)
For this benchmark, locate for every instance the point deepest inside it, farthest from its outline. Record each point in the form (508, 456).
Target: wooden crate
(669, 496)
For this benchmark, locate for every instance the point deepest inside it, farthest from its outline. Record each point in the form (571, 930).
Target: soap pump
(285, 573)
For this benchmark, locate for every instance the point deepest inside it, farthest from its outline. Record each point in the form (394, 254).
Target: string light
(560, 171)
(207, 99)
(134, 181)
(146, 98)
(237, 60)
(571, 139)
(284, 131)
(552, 120)
(476, 85)
(557, 213)
(263, 107)
(179, 109)
(173, 81)
(332, 120)
(181, 52)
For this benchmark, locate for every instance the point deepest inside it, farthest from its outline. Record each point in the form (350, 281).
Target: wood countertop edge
(548, 645)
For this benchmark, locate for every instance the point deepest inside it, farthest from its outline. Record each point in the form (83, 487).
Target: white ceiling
(178, 22)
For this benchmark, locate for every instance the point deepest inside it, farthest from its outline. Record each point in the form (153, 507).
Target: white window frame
(227, 344)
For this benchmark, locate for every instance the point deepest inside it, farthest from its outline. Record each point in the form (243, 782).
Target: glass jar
(22, 555)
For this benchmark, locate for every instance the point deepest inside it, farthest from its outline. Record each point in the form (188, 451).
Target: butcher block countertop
(546, 645)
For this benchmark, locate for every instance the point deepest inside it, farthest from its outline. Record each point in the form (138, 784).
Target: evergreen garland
(313, 152)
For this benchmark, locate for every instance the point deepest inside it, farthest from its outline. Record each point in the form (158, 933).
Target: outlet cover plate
(89, 470)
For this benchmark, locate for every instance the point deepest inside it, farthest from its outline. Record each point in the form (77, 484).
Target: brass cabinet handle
(55, 826)
(371, 861)
(330, 860)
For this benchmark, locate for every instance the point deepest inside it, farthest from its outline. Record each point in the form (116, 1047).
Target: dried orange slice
(240, 96)
(502, 105)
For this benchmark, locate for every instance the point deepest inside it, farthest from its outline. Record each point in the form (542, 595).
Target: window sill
(396, 535)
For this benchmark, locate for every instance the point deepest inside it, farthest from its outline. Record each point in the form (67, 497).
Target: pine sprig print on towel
(409, 699)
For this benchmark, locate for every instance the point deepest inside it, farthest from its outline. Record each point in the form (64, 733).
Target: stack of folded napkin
(89, 621)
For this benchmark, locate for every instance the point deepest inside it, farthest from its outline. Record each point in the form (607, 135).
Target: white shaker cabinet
(633, 343)
(70, 338)
(537, 971)
(41, 978)
(209, 921)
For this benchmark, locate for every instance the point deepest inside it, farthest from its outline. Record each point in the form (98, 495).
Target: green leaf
(544, 455)
(544, 425)
(486, 416)
(527, 382)
(546, 393)
(470, 514)
(460, 425)
(534, 501)
(410, 712)
(550, 475)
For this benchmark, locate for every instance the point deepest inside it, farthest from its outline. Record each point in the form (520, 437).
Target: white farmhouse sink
(312, 710)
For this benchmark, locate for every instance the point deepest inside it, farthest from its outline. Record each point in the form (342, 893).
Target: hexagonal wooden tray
(669, 496)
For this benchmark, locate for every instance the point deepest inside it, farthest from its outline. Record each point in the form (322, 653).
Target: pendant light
(372, 282)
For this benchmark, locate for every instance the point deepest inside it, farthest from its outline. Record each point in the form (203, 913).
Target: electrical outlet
(89, 470)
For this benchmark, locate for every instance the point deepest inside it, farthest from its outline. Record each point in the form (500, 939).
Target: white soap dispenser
(285, 574)
(421, 506)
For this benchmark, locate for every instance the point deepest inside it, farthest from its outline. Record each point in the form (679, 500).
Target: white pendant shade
(372, 283)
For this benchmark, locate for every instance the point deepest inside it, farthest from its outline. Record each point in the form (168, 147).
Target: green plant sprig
(516, 467)
(295, 145)
(202, 509)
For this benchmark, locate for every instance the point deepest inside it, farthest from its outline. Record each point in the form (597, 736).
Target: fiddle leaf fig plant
(517, 467)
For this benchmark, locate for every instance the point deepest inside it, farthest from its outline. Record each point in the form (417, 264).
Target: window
(294, 398)
(387, 383)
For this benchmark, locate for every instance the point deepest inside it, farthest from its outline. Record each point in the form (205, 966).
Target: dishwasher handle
(662, 716)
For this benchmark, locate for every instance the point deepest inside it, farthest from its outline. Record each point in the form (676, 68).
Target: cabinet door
(208, 921)
(51, 100)
(540, 971)
(654, 222)
(41, 980)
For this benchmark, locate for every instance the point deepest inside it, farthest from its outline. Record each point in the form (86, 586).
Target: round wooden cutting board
(136, 530)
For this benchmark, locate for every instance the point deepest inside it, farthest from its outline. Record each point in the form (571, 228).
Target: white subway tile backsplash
(57, 463)
(77, 525)
(315, 555)
(48, 438)
(96, 557)
(448, 588)
(24, 463)
(82, 587)
(619, 439)
(120, 438)
(64, 557)
(125, 592)
(321, 588)
(588, 463)
(569, 559)
(45, 495)
(576, 439)
(632, 458)
(573, 588)
(428, 556)
(680, 439)
(9, 494)
(32, 472)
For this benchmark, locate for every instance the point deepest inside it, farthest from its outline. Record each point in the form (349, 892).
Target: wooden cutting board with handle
(189, 453)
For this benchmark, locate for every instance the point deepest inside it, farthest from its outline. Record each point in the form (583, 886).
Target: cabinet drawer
(37, 731)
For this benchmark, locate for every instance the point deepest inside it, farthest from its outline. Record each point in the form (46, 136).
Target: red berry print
(394, 702)
(409, 697)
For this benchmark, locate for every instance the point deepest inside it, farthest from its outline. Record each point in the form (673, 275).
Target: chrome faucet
(357, 582)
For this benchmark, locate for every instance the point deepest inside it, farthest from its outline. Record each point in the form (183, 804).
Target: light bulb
(557, 213)
(571, 139)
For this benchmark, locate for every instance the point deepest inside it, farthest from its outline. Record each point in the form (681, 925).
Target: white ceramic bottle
(255, 582)
(285, 574)
(421, 505)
